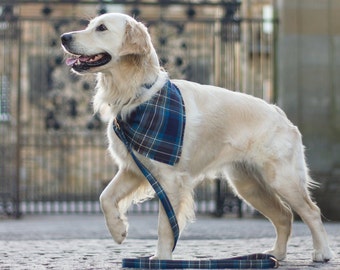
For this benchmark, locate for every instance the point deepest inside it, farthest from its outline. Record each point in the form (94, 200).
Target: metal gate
(53, 154)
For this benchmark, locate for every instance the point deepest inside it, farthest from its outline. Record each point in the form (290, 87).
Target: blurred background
(53, 156)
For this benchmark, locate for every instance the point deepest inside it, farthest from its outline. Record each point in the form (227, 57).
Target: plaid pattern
(258, 261)
(155, 129)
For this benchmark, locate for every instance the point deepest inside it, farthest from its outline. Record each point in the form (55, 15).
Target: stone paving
(83, 242)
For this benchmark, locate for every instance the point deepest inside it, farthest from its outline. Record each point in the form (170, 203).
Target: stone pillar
(308, 72)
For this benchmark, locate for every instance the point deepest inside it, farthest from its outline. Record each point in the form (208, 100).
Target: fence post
(16, 186)
(219, 199)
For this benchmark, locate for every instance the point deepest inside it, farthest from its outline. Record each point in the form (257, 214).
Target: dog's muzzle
(81, 62)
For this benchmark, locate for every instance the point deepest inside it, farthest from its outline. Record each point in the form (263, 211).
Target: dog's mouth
(84, 62)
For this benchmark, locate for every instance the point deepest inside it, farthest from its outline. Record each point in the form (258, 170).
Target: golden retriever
(248, 140)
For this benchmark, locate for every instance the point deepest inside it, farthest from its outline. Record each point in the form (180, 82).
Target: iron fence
(53, 154)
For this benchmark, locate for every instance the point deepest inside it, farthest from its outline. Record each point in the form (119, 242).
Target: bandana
(155, 128)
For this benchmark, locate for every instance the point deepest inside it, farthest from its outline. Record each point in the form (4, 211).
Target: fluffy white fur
(252, 142)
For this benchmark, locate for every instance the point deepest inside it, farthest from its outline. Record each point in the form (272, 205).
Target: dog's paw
(118, 229)
(279, 255)
(163, 256)
(323, 255)
(154, 257)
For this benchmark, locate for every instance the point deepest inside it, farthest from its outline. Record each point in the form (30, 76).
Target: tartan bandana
(155, 128)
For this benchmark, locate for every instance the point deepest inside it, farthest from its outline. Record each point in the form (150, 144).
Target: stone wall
(308, 68)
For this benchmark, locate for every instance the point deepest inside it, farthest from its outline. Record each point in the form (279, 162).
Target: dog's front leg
(182, 202)
(121, 186)
(165, 236)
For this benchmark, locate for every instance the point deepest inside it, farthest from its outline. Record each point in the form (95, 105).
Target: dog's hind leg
(248, 184)
(116, 198)
(291, 185)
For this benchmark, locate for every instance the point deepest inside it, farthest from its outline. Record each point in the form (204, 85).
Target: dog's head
(106, 39)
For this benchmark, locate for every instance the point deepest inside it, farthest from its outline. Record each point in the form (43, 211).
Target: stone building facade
(308, 64)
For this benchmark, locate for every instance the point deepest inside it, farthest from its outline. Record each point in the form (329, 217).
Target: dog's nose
(66, 39)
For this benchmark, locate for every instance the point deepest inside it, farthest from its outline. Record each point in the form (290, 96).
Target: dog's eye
(101, 28)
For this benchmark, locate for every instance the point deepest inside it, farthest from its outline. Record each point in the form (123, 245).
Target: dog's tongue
(71, 61)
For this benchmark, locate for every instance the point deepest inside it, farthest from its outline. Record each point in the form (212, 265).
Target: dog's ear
(136, 39)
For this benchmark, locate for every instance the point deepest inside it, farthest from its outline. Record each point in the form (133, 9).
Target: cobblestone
(82, 242)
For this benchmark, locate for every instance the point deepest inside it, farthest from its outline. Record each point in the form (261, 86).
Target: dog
(251, 142)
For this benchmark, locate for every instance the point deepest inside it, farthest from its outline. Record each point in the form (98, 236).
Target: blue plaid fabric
(252, 261)
(155, 129)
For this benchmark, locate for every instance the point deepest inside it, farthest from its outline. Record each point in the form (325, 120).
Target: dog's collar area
(143, 89)
(149, 85)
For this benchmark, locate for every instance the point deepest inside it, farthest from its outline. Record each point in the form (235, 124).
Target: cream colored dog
(252, 142)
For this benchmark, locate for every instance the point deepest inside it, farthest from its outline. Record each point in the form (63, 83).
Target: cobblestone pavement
(83, 242)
